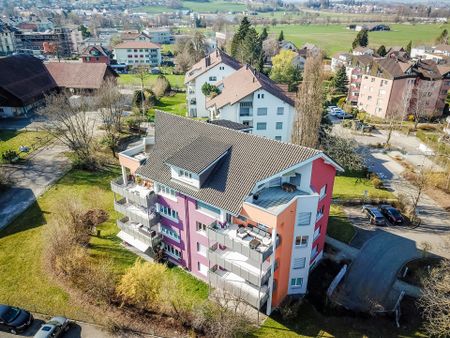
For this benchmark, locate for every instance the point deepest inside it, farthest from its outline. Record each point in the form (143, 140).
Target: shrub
(9, 155)
(290, 308)
(210, 90)
(362, 116)
(162, 86)
(341, 102)
(377, 183)
(347, 123)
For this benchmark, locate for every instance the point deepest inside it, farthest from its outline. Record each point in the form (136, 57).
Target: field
(25, 282)
(201, 7)
(175, 104)
(336, 38)
(12, 140)
(347, 187)
(176, 81)
(339, 227)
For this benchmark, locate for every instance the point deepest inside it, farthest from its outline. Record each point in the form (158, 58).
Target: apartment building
(59, 41)
(392, 85)
(211, 69)
(138, 53)
(244, 213)
(251, 98)
(160, 35)
(7, 39)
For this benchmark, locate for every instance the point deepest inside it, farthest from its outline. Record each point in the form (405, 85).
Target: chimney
(217, 53)
(149, 142)
(207, 61)
(253, 79)
(246, 66)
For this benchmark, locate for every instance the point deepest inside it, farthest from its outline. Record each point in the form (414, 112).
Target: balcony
(240, 265)
(235, 285)
(243, 240)
(276, 199)
(137, 213)
(134, 192)
(138, 235)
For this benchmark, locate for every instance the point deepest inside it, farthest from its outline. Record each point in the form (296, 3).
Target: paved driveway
(368, 283)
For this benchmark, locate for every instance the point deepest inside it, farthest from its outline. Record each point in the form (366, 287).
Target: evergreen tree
(443, 37)
(340, 81)
(381, 51)
(263, 34)
(362, 39)
(408, 48)
(281, 36)
(239, 36)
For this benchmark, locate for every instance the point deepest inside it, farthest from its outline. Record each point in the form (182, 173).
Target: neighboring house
(288, 45)
(362, 51)
(339, 60)
(7, 39)
(135, 36)
(160, 35)
(80, 77)
(211, 69)
(138, 53)
(96, 54)
(442, 49)
(35, 43)
(439, 54)
(371, 28)
(251, 98)
(384, 86)
(24, 81)
(243, 213)
(308, 49)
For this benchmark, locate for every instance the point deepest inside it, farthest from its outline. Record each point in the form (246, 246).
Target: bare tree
(400, 110)
(111, 104)
(309, 104)
(142, 72)
(69, 123)
(435, 301)
(420, 100)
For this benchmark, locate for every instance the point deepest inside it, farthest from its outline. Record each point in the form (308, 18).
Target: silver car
(55, 327)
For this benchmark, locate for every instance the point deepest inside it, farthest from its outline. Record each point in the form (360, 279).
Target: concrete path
(31, 179)
(368, 283)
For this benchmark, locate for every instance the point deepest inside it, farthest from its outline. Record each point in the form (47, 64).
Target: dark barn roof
(23, 80)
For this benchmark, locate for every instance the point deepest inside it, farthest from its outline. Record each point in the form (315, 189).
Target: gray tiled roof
(250, 159)
(230, 124)
(199, 154)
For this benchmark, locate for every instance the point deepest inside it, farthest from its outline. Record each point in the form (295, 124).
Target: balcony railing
(138, 231)
(236, 286)
(255, 274)
(134, 192)
(255, 246)
(147, 217)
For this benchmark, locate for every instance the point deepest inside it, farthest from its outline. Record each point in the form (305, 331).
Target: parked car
(54, 328)
(331, 110)
(340, 114)
(393, 215)
(374, 215)
(14, 319)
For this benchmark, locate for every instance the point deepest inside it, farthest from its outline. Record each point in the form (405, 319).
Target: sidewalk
(32, 179)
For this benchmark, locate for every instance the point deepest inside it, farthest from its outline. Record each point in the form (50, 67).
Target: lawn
(175, 104)
(348, 187)
(202, 7)
(24, 281)
(339, 227)
(336, 38)
(12, 140)
(176, 81)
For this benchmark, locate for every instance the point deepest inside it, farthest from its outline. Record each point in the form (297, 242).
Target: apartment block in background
(211, 69)
(138, 53)
(242, 212)
(251, 98)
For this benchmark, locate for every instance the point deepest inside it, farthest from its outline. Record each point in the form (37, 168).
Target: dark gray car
(54, 328)
(14, 319)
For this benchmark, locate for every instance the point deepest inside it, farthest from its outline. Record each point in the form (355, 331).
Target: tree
(210, 90)
(398, 113)
(84, 31)
(263, 36)
(239, 36)
(283, 68)
(342, 151)
(142, 72)
(362, 39)
(161, 86)
(141, 285)
(309, 104)
(189, 50)
(443, 37)
(419, 101)
(281, 36)
(246, 45)
(70, 123)
(409, 47)
(111, 103)
(381, 51)
(339, 82)
(435, 300)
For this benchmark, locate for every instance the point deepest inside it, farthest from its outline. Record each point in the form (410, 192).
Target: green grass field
(176, 81)
(24, 281)
(175, 104)
(339, 227)
(347, 187)
(12, 140)
(201, 7)
(336, 38)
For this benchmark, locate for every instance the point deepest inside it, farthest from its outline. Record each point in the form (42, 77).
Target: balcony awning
(133, 241)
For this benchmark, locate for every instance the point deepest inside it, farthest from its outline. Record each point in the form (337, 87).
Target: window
(184, 173)
(129, 50)
(314, 251)
(203, 269)
(323, 191)
(201, 249)
(171, 250)
(207, 208)
(201, 227)
(301, 241)
(163, 190)
(304, 218)
(278, 138)
(296, 282)
(317, 232)
(262, 112)
(213, 78)
(261, 126)
(221, 68)
(168, 212)
(260, 96)
(319, 213)
(280, 110)
(299, 263)
(279, 125)
(170, 233)
(372, 79)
